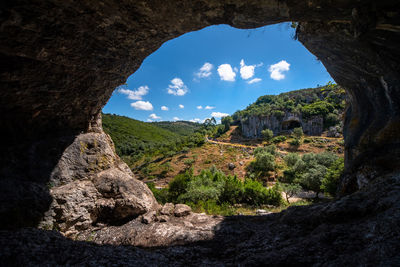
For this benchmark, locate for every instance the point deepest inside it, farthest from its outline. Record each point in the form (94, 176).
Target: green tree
(267, 134)
(331, 180)
(298, 132)
(290, 190)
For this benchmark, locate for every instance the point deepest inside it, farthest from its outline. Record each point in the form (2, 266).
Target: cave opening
(64, 61)
(290, 125)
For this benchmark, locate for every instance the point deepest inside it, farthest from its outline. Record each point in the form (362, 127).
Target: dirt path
(238, 145)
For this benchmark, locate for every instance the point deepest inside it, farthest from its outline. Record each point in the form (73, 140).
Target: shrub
(256, 194)
(271, 149)
(278, 139)
(160, 194)
(188, 162)
(232, 192)
(295, 142)
(264, 162)
(291, 159)
(267, 134)
(331, 180)
(298, 132)
(179, 185)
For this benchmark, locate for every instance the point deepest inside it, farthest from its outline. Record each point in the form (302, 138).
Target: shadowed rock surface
(63, 59)
(361, 229)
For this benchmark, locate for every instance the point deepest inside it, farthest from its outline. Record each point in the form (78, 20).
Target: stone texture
(182, 210)
(360, 229)
(167, 209)
(91, 185)
(253, 125)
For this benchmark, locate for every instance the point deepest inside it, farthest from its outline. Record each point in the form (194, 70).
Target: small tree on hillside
(298, 132)
(267, 134)
(290, 190)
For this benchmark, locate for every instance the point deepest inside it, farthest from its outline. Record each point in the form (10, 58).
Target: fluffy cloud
(255, 80)
(176, 119)
(277, 69)
(154, 116)
(197, 120)
(142, 105)
(164, 108)
(181, 106)
(205, 70)
(226, 73)
(199, 107)
(219, 114)
(149, 120)
(209, 107)
(177, 87)
(246, 71)
(137, 94)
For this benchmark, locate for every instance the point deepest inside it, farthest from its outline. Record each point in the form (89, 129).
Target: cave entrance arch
(65, 60)
(288, 126)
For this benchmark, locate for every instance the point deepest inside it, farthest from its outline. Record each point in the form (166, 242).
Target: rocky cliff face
(253, 125)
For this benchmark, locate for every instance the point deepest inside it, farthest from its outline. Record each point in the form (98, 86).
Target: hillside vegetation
(136, 139)
(327, 101)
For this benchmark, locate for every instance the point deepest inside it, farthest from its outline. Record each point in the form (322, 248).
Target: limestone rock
(92, 185)
(182, 210)
(231, 166)
(149, 217)
(167, 209)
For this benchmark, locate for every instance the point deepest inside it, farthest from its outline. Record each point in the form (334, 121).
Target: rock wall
(253, 125)
(62, 60)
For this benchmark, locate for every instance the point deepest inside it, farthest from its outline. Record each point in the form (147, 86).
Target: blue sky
(216, 71)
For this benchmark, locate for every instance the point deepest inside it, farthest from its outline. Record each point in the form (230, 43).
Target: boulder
(231, 166)
(182, 210)
(167, 209)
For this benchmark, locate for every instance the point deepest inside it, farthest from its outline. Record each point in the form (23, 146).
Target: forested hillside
(136, 139)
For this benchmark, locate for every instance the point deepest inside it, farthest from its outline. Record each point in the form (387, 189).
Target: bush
(271, 149)
(188, 162)
(331, 180)
(295, 142)
(233, 191)
(162, 195)
(203, 188)
(264, 162)
(312, 178)
(255, 193)
(291, 159)
(178, 185)
(298, 132)
(267, 134)
(278, 139)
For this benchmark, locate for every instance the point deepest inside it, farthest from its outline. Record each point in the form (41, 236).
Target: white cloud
(197, 120)
(164, 108)
(226, 73)
(255, 80)
(181, 106)
(142, 105)
(177, 87)
(176, 119)
(135, 95)
(209, 107)
(205, 70)
(246, 71)
(219, 114)
(149, 120)
(154, 116)
(199, 107)
(277, 69)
